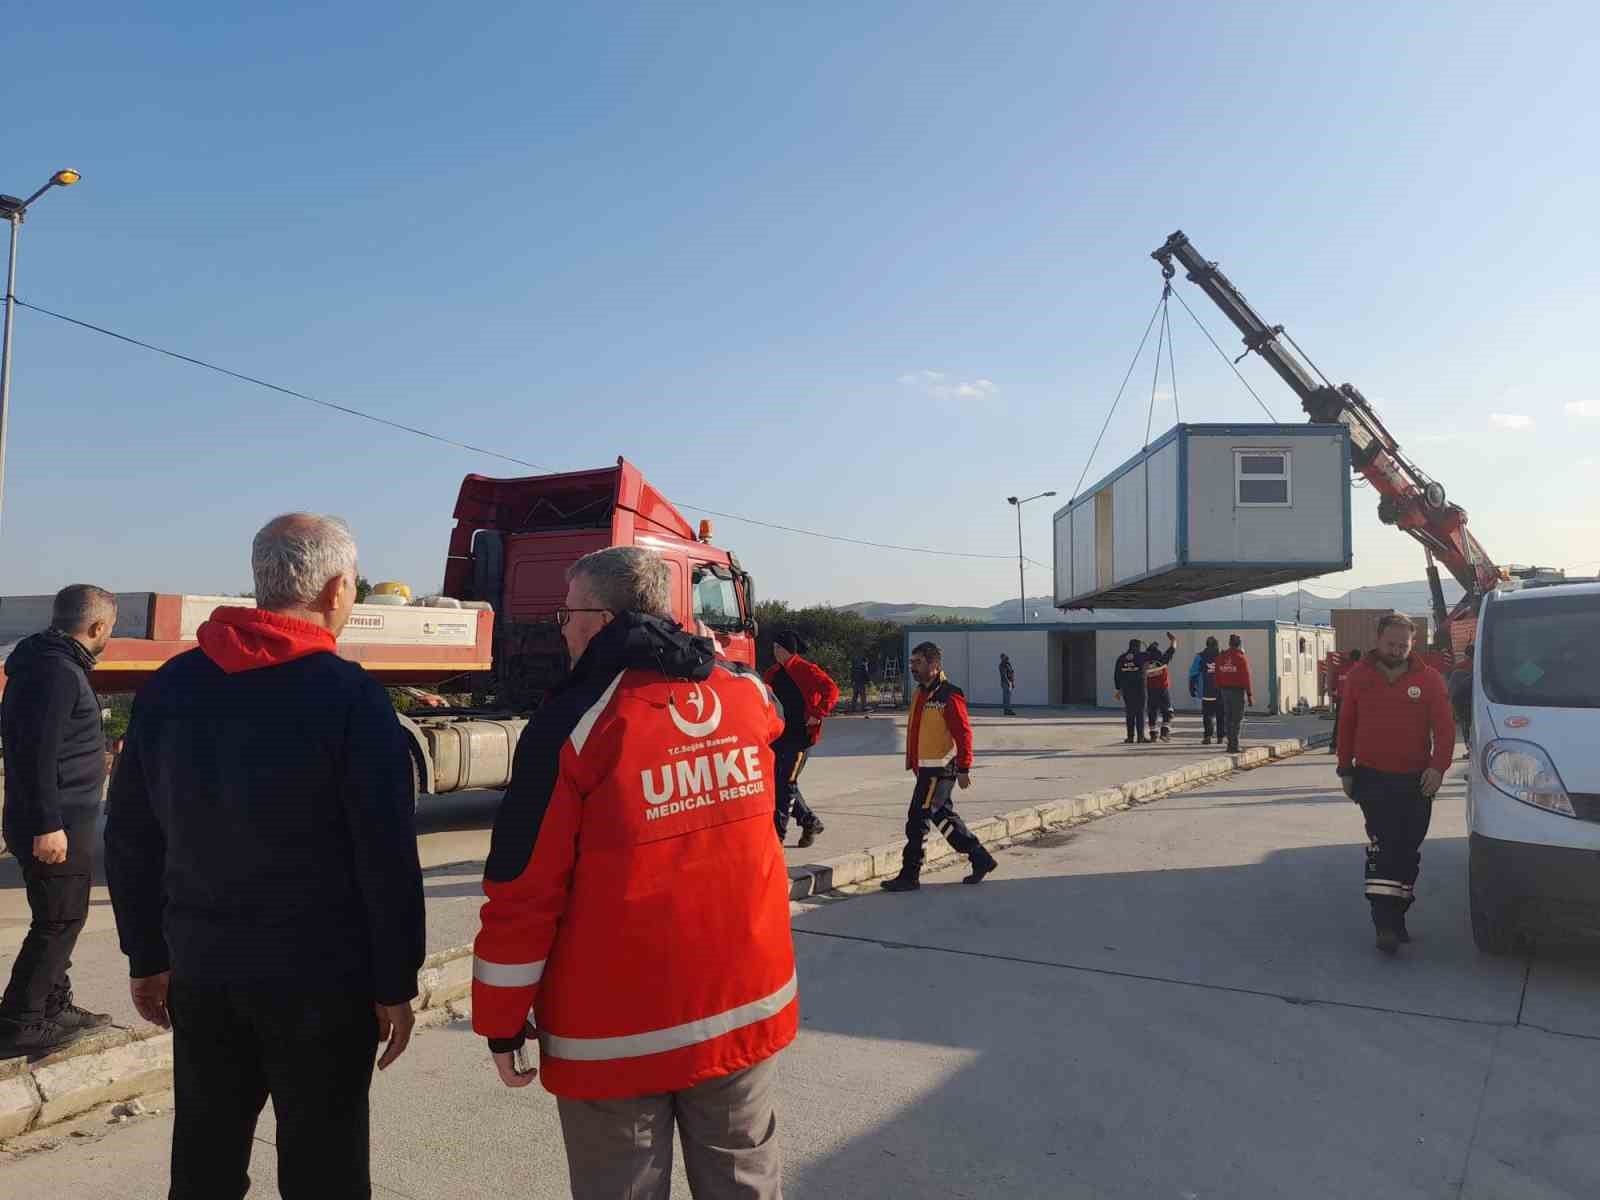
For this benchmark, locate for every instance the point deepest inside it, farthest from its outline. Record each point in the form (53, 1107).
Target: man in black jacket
(55, 755)
(1128, 676)
(263, 866)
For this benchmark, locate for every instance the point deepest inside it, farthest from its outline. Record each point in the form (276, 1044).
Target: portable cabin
(1207, 511)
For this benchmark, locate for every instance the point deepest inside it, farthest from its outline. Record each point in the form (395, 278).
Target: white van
(1533, 788)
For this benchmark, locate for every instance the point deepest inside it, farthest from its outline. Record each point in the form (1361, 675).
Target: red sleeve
(1349, 714)
(821, 692)
(521, 915)
(1443, 721)
(960, 725)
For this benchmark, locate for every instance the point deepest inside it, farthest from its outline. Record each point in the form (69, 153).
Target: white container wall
(1208, 511)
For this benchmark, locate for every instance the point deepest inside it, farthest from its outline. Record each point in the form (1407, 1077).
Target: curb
(120, 1064)
(1023, 824)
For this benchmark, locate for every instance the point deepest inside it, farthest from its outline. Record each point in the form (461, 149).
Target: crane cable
(1271, 416)
(1118, 398)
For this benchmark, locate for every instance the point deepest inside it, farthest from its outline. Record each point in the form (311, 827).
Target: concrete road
(856, 781)
(1180, 1001)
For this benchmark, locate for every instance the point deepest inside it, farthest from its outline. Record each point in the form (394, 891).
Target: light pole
(1022, 586)
(12, 210)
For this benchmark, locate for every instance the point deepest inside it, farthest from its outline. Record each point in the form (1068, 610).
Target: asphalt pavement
(856, 781)
(1180, 1000)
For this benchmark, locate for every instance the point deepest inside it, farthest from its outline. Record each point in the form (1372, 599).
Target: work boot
(1388, 941)
(808, 834)
(1205, 741)
(901, 883)
(1400, 930)
(1127, 741)
(1166, 734)
(36, 1037)
(73, 1017)
(982, 863)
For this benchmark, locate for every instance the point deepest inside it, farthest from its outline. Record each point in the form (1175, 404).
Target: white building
(1061, 663)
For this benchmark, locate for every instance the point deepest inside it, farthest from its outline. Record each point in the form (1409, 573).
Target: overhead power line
(448, 441)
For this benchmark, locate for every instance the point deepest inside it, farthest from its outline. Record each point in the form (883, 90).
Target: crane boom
(1410, 500)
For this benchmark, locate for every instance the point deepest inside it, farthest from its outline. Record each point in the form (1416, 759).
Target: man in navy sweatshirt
(262, 860)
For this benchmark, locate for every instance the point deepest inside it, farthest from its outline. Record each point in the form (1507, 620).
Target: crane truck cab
(1533, 783)
(514, 540)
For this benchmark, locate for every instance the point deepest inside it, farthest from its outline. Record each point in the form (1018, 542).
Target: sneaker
(981, 867)
(1388, 941)
(901, 883)
(808, 835)
(36, 1037)
(73, 1017)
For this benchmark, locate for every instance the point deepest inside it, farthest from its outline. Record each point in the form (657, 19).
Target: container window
(1262, 478)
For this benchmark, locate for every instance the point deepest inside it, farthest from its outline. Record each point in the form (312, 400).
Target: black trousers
(58, 901)
(931, 804)
(787, 800)
(1133, 711)
(1211, 717)
(1158, 707)
(1233, 714)
(858, 696)
(1397, 816)
(311, 1051)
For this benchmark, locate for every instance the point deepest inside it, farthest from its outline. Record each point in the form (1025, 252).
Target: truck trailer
(491, 633)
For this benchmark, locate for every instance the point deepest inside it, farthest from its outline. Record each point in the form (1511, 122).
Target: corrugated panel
(1162, 470)
(1062, 560)
(1130, 557)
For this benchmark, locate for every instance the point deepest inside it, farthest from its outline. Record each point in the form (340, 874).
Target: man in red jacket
(807, 695)
(1233, 682)
(1396, 739)
(638, 904)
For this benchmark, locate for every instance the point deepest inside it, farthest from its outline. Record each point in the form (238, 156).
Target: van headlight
(1524, 772)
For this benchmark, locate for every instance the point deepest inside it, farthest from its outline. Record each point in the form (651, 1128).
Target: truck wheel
(1493, 927)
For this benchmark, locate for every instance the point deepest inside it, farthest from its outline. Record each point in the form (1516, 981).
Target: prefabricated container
(1208, 511)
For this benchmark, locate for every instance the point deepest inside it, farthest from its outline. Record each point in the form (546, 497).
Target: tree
(836, 637)
(363, 589)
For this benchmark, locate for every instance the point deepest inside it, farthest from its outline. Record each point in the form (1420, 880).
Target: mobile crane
(1409, 498)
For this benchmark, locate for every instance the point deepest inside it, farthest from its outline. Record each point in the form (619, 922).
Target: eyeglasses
(564, 614)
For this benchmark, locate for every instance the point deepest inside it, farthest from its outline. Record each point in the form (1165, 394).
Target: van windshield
(1543, 653)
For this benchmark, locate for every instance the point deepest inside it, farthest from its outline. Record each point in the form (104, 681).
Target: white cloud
(1583, 409)
(941, 386)
(1511, 422)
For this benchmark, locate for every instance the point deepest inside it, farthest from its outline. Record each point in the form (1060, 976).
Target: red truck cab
(515, 539)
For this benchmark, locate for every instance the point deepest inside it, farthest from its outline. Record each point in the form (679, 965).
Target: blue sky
(729, 241)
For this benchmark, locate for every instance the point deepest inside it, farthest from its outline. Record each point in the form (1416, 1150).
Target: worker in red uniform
(637, 903)
(1233, 681)
(939, 750)
(1158, 687)
(807, 695)
(1396, 739)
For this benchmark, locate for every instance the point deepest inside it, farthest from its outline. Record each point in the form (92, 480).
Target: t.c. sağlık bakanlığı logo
(702, 725)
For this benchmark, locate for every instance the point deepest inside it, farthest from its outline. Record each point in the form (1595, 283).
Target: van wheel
(1493, 929)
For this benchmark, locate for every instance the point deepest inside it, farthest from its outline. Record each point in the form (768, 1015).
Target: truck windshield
(1543, 653)
(716, 601)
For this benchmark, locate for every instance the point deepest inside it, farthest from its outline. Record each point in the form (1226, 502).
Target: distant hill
(1409, 596)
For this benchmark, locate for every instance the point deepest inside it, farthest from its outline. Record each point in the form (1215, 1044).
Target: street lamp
(12, 210)
(1022, 587)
